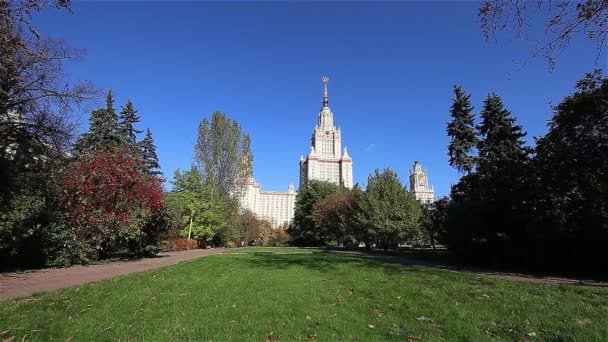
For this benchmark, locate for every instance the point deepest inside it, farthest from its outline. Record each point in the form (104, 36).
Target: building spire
(325, 80)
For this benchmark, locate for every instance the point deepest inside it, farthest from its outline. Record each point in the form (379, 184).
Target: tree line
(541, 207)
(535, 207)
(385, 214)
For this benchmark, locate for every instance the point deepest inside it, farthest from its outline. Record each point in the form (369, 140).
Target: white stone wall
(275, 206)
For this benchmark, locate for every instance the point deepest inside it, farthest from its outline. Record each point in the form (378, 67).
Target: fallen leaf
(271, 336)
(425, 319)
(371, 326)
(308, 318)
(532, 334)
(312, 336)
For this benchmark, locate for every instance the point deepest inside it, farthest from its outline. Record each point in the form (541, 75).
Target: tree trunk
(190, 230)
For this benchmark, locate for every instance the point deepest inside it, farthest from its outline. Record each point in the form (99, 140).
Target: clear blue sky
(392, 67)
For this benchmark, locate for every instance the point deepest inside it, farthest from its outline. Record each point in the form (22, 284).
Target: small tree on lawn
(393, 212)
(201, 212)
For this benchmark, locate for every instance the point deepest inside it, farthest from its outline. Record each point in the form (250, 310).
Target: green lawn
(257, 295)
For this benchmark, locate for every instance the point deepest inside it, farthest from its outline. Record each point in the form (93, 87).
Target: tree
(304, 229)
(434, 220)
(148, 155)
(564, 20)
(104, 130)
(36, 97)
(491, 207)
(127, 120)
(279, 237)
(223, 153)
(331, 214)
(462, 132)
(36, 100)
(111, 204)
(201, 211)
(265, 232)
(394, 213)
(571, 168)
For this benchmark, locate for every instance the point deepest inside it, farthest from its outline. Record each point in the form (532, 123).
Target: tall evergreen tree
(127, 120)
(104, 129)
(501, 145)
(462, 132)
(149, 156)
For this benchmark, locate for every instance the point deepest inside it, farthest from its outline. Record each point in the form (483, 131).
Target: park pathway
(20, 284)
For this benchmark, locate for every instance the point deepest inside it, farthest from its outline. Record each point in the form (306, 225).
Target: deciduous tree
(223, 153)
(111, 204)
(393, 212)
(564, 21)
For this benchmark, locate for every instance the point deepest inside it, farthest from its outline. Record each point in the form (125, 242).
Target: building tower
(326, 161)
(419, 184)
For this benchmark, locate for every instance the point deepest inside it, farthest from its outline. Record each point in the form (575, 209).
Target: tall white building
(419, 184)
(326, 161)
(275, 206)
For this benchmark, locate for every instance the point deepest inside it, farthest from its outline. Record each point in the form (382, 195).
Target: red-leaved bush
(182, 244)
(109, 201)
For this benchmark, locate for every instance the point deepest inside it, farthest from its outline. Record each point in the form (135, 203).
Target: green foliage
(435, 220)
(491, 205)
(127, 119)
(223, 153)
(21, 222)
(62, 247)
(201, 210)
(149, 156)
(462, 133)
(571, 178)
(392, 212)
(304, 229)
(104, 129)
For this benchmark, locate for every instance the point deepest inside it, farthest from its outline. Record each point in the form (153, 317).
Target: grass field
(257, 294)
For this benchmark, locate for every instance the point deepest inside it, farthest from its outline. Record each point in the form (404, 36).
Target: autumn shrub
(181, 244)
(112, 205)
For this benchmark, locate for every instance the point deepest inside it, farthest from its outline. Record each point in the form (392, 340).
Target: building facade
(419, 184)
(326, 161)
(275, 206)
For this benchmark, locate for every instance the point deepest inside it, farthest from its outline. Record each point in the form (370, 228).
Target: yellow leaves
(272, 336)
(425, 319)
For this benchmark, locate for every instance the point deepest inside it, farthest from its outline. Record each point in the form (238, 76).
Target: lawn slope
(269, 294)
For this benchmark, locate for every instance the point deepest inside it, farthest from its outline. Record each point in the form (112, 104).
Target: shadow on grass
(329, 261)
(326, 262)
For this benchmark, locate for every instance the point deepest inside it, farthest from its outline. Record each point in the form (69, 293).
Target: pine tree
(501, 145)
(104, 129)
(128, 118)
(148, 155)
(462, 132)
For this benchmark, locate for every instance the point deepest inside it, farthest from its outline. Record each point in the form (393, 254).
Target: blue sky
(392, 67)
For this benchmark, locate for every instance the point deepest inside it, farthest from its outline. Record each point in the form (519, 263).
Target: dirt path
(21, 284)
(532, 278)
